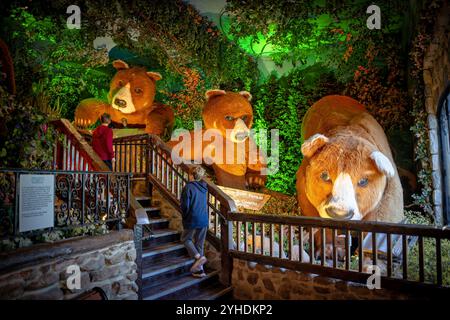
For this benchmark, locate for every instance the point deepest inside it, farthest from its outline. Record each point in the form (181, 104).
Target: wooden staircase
(165, 264)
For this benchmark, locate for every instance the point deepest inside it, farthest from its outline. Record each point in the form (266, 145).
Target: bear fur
(348, 171)
(131, 102)
(230, 115)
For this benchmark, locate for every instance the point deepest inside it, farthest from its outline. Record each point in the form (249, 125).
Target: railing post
(226, 237)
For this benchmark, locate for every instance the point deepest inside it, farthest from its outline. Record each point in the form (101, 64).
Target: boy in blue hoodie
(195, 219)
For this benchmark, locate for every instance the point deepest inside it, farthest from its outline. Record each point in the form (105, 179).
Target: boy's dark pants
(194, 240)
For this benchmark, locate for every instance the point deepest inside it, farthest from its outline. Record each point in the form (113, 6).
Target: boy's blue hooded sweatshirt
(194, 205)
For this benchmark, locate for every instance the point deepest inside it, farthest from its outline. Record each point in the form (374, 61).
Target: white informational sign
(37, 205)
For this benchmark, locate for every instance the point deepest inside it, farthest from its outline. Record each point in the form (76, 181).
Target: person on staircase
(195, 219)
(102, 141)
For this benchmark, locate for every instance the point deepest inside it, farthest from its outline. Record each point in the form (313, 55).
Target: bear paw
(255, 180)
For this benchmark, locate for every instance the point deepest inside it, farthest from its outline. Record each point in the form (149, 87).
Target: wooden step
(142, 198)
(162, 252)
(172, 289)
(159, 223)
(160, 236)
(165, 248)
(214, 292)
(165, 270)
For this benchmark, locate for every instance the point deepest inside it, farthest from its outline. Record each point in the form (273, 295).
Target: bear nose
(340, 214)
(121, 103)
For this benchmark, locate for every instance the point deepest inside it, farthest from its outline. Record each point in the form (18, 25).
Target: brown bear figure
(228, 116)
(131, 102)
(348, 171)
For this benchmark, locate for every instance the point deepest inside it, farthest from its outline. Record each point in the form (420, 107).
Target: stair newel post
(226, 237)
(149, 168)
(138, 230)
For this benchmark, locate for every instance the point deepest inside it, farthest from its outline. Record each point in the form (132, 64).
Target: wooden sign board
(246, 199)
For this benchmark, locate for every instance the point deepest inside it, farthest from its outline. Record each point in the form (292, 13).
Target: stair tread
(152, 208)
(157, 220)
(211, 293)
(171, 246)
(140, 198)
(166, 265)
(183, 282)
(163, 232)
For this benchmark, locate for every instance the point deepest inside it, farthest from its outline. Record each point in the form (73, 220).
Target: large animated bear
(348, 171)
(131, 102)
(230, 114)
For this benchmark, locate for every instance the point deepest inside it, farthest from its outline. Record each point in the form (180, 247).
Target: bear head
(229, 112)
(132, 89)
(346, 175)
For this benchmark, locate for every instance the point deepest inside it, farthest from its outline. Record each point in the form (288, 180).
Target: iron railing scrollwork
(82, 199)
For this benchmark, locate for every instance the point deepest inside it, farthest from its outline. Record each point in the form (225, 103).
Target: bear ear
(314, 143)
(120, 65)
(213, 93)
(247, 95)
(382, 163)
(154, 75)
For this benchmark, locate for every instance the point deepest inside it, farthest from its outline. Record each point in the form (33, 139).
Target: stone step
(165, 270)
(173, 288)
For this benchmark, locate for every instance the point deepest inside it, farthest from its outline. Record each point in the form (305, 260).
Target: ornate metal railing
(81, 199)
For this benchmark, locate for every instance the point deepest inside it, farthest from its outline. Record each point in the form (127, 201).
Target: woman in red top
(102, 141)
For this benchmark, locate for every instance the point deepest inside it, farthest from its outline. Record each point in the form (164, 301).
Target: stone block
(437, 197)
(92, 264)
(115, 257)
(44, 280)
(252, 278)
(105, 273)
(267, 282)
(322, 290)
(53, 292)
(132, 276)
(434, 141)
(131, 255)
(11, 288)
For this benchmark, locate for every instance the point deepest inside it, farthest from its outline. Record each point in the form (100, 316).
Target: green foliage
(26, 139)
(58, 58)
(281, 104)
(308, 32)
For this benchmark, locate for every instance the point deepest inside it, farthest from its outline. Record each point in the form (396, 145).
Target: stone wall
(255, 281)
(40, 272)
(436, 76)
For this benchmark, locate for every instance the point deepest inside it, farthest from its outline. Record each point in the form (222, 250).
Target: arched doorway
(444, 140)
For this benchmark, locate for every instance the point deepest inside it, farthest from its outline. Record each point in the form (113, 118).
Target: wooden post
(226, 237)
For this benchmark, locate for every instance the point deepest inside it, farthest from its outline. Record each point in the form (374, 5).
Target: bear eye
(120, 83)
(138, 90)
(229, 118)
(244, 118)
(363, 182)
(325, 176)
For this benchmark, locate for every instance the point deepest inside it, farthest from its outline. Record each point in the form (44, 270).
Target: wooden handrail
(83, 148)
(365, 226)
